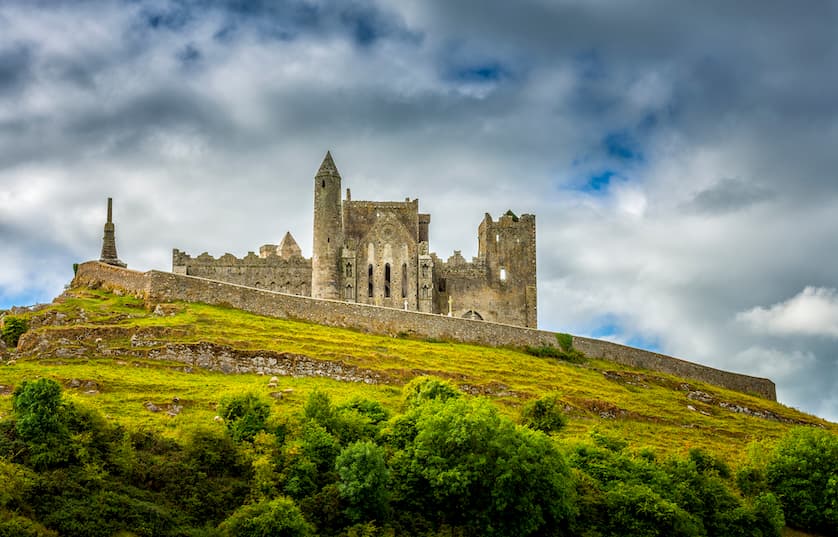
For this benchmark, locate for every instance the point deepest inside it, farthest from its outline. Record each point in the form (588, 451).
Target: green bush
(363, 481)
(803, 473)
(549, 351)
(423, 389)
(41, 422)
(275, 518)
(565, 341)
(467, 466)
(245, 415)
(639, 511)
(13, 328)
(543, 415)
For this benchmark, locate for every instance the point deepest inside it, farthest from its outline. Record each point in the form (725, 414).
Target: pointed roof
(109, 240)
(288, 247)
(327, 167)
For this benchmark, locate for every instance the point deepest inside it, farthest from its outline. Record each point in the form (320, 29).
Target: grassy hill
(111, 353)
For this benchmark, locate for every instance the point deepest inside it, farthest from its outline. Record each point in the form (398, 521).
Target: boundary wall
(156, 286)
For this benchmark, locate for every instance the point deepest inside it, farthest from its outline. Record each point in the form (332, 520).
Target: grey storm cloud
(679, 156)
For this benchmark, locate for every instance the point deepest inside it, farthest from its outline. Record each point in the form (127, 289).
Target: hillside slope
(111, 352)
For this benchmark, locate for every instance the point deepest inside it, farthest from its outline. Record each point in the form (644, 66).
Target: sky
(680, 157)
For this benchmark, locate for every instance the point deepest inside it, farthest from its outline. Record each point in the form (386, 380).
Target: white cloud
(813, 312)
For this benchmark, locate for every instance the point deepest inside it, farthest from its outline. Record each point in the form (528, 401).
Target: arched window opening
(425, 292)
(441, 285)
(387, 280)
(502, 274)
(323, 183)
(348, 271)
(272, 286)
(424, 270)
(369, 282)
(404, 280)
(349, 294)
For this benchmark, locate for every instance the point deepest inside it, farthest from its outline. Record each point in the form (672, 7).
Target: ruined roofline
(205, 259)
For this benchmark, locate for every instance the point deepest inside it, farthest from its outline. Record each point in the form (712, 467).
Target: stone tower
(109, 241)
(328, 231)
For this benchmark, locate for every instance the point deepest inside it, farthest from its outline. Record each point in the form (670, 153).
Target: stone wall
(158, 286)
(112, 278)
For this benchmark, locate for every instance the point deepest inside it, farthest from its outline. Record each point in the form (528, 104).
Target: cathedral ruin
(377, 252)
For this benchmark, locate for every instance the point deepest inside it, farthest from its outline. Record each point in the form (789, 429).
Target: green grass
(652, 412)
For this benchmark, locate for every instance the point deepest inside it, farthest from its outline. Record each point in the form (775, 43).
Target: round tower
(328, 231)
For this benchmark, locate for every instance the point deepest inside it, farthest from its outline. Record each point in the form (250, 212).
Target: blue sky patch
(621, 146)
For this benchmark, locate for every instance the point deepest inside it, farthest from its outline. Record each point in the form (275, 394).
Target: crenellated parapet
(289, 273)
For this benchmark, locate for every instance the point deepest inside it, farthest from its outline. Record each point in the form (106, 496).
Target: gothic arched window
(369, 283)
(424, 270)
(404, 280)
(425, 293)
(348, 271)
(349, 294)
(387, 280)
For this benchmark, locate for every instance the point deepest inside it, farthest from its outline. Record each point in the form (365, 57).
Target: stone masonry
(158, 287)
(377, 253)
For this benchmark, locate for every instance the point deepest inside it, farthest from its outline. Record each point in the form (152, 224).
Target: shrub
(639, 511)
(803, 473)
(565, 341)
(549, 351)
(276, 518)
(13, 328)
(41, 422)
(543, 415)
(245, 415)
(423, 389)
(465, 465)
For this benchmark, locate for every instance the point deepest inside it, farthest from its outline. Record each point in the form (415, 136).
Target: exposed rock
(6, 389)
(276, 395)
(690, 407)
(704, 397)
(151, 407)
(218, 419)
(229, 360)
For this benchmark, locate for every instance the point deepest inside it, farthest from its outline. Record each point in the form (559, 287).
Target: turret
(109, 241)
(328, 231)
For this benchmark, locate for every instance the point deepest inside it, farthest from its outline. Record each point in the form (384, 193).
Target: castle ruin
(377, 253)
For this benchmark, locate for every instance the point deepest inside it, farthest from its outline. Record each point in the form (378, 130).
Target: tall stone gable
(377, 252)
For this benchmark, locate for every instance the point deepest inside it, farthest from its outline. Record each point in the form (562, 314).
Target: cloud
(729, 195)
(813, 312)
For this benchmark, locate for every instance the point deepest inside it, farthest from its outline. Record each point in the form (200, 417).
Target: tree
(543, 415)
(245, 415)
(465, 465)
(803, 473)
(13, 328)
(423, 389)
(41, 422)
(275, 518)
(363, 480)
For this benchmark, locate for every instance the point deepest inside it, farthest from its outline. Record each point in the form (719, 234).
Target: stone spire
(109, 241)
(327, 167)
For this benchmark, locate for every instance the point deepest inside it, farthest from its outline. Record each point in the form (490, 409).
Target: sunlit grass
(651, 414)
